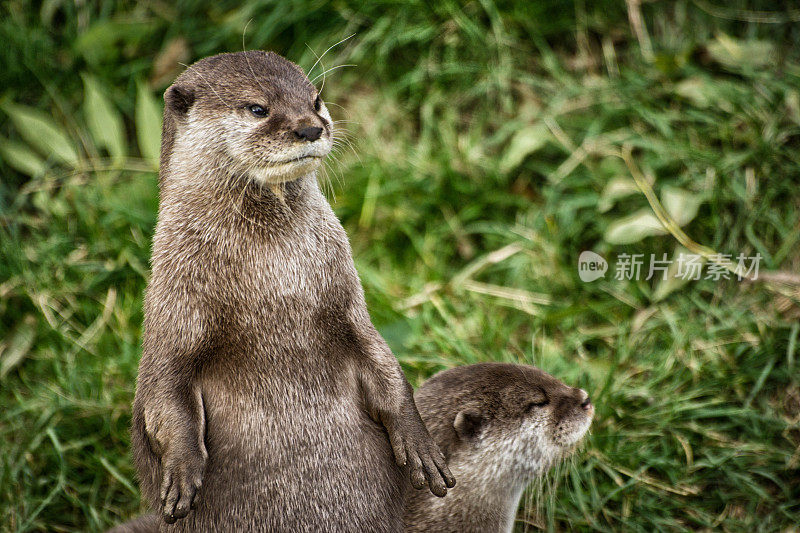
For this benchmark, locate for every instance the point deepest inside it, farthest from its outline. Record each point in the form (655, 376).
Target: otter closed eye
(533, 405)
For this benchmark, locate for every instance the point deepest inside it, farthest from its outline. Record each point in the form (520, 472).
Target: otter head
(254, 113)
(513, 422)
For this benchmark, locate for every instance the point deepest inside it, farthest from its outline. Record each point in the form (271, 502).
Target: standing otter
(262, 378)
(500, 426)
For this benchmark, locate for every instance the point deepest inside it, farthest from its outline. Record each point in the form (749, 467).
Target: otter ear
(468, 423)
(179, 99)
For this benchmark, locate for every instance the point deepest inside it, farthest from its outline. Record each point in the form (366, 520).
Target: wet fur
(265, 399)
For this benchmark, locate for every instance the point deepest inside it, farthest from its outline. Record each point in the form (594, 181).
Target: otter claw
(430, 469)
(179, 501)
(180, 491)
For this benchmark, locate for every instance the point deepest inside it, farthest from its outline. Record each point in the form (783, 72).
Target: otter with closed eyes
(500, 426)
(262, 379)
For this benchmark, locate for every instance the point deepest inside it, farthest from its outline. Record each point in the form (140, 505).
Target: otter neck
(208, 188)
(492, 502)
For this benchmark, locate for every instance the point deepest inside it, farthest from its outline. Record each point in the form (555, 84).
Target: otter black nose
(308, 134)
(586, 402)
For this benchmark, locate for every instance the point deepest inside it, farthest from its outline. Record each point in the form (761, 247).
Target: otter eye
(317, 103)
(536, 405)
(257, 110)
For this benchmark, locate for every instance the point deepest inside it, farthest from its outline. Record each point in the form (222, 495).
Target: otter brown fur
(148, 523)
(262, 379)
(500, 426)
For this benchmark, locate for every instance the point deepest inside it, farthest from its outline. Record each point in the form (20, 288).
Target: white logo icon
(591, 266)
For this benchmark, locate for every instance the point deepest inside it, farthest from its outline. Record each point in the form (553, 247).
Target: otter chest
(300, 271)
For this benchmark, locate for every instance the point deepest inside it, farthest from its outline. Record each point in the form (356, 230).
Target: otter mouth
(573, 440)
(276, 172)
(299, 159)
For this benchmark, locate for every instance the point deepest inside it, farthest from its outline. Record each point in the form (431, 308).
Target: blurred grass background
(486, 140)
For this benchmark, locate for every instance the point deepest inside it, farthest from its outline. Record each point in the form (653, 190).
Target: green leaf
(148, 124)
(104, 121)
(672, 281)
(525, 142)
(634, 228)
(735, 53)
(101, 43)
(17, 345)
(697, 90)
(41, 132)
(22, 158)
(681, 205)
(614, 190)
(48, 11)
(792, 104)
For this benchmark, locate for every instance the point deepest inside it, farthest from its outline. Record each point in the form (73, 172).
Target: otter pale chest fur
(500, 426)
(266, 400)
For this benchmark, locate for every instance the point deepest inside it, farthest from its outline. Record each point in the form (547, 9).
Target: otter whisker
(332, 103)
(332, 170)
(339, 177)
(345, 136)
(341, 149)
(321, 178)
(337, 173)
(343, 132)
(247, 58)
(323, 73)
(327, 182)
(244, 32)
(319, 58)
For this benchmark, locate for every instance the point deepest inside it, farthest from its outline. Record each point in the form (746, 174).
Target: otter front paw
(180, 485)
(414, 448)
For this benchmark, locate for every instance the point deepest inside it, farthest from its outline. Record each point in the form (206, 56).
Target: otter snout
(586, 402)
(310, 133)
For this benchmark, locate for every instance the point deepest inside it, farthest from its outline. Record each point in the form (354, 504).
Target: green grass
(486, 139)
